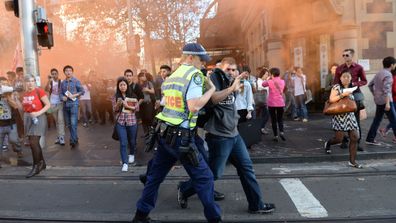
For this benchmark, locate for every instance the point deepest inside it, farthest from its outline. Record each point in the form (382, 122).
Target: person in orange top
(35, 103)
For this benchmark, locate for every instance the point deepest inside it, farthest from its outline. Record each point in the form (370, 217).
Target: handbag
(308, 96)
(344, 105)
(115, 133)
(363, 114)
(260, 98)
(307, 93)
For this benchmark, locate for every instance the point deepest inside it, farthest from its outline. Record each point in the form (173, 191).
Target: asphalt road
(319, 192)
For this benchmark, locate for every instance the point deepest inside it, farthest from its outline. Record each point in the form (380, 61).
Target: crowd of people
(175, 104)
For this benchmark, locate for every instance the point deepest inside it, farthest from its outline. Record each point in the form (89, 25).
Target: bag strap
(277, 87)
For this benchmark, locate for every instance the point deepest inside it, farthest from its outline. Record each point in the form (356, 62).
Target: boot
(42, 165)
(35, 170)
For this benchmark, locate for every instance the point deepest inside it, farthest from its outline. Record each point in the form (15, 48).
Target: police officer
(184, 97)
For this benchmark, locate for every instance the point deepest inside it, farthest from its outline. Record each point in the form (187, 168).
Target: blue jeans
(70, 112)
(291, 104)
(379, 114)
(127, 135)
(302, 111)
(162, 162)
(389, 126)
(234, 149)
(264, 115)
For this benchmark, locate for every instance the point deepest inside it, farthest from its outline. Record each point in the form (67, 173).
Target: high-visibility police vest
(174, 89)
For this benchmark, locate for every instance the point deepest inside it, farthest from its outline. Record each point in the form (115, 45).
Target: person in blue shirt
(71, 90)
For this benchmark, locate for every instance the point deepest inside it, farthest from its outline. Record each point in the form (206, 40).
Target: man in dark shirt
(358, 79)
(165, 71)
(134, 86)
(136, 91)
(223, 139)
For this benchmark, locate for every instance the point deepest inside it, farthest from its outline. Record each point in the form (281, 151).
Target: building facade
(313, 33)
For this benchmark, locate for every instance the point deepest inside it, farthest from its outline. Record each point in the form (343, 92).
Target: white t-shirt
(87, 94)
(299, 85)
(54, 98)
(260, 85)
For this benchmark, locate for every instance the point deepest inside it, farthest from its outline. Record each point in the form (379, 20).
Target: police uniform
(184, 84)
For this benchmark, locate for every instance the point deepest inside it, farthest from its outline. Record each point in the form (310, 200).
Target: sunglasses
(229, 69)
(345, 55)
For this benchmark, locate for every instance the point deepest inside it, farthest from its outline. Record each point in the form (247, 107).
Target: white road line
(306, 204)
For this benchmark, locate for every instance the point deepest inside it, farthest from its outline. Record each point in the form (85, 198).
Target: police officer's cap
(196, 49)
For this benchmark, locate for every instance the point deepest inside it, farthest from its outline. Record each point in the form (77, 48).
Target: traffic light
(44, 34)
(12, 5)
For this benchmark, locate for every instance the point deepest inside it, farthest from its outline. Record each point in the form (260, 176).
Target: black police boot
(218, 196)
(143, 178)
(181, 199)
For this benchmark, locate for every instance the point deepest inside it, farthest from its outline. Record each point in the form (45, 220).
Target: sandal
(355, 165)
(327, 147)
(382, 132)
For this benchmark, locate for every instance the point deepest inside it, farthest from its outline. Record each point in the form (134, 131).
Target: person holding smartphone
(244, 98)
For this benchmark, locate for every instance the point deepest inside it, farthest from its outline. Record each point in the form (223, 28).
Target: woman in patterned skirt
(344, 122)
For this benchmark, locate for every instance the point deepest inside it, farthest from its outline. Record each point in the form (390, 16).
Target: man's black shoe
(360, 149)
(218, 196)
(143, 178)
(146, 220)
(268, 208)
(183, 202)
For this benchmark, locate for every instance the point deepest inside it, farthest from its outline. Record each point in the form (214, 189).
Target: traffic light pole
(29, 38)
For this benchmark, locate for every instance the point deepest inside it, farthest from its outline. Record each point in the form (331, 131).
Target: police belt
(167, 131)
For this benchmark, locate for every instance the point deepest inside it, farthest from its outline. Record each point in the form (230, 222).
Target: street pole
(29, 43)
(29, 38)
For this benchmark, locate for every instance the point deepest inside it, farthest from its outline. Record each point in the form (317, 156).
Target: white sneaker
(124, 167)
(131, 159)
(305, 120)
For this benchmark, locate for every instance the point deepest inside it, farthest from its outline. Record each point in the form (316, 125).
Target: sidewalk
(304, 144)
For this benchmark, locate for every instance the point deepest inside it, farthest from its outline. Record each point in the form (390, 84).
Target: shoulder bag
(344, 105)
(260, 97)
(115, 133)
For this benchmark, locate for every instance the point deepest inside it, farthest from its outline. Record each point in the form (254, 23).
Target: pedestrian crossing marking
(306, 204)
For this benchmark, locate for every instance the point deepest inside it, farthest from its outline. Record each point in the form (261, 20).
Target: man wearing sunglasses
(223, 139)
(359, 80)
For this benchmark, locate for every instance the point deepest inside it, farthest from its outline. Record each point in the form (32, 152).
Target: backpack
(207, 111)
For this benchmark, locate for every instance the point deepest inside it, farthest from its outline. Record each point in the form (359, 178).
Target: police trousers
(162, 163)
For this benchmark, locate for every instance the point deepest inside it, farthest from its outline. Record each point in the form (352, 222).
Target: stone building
(307, 33)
